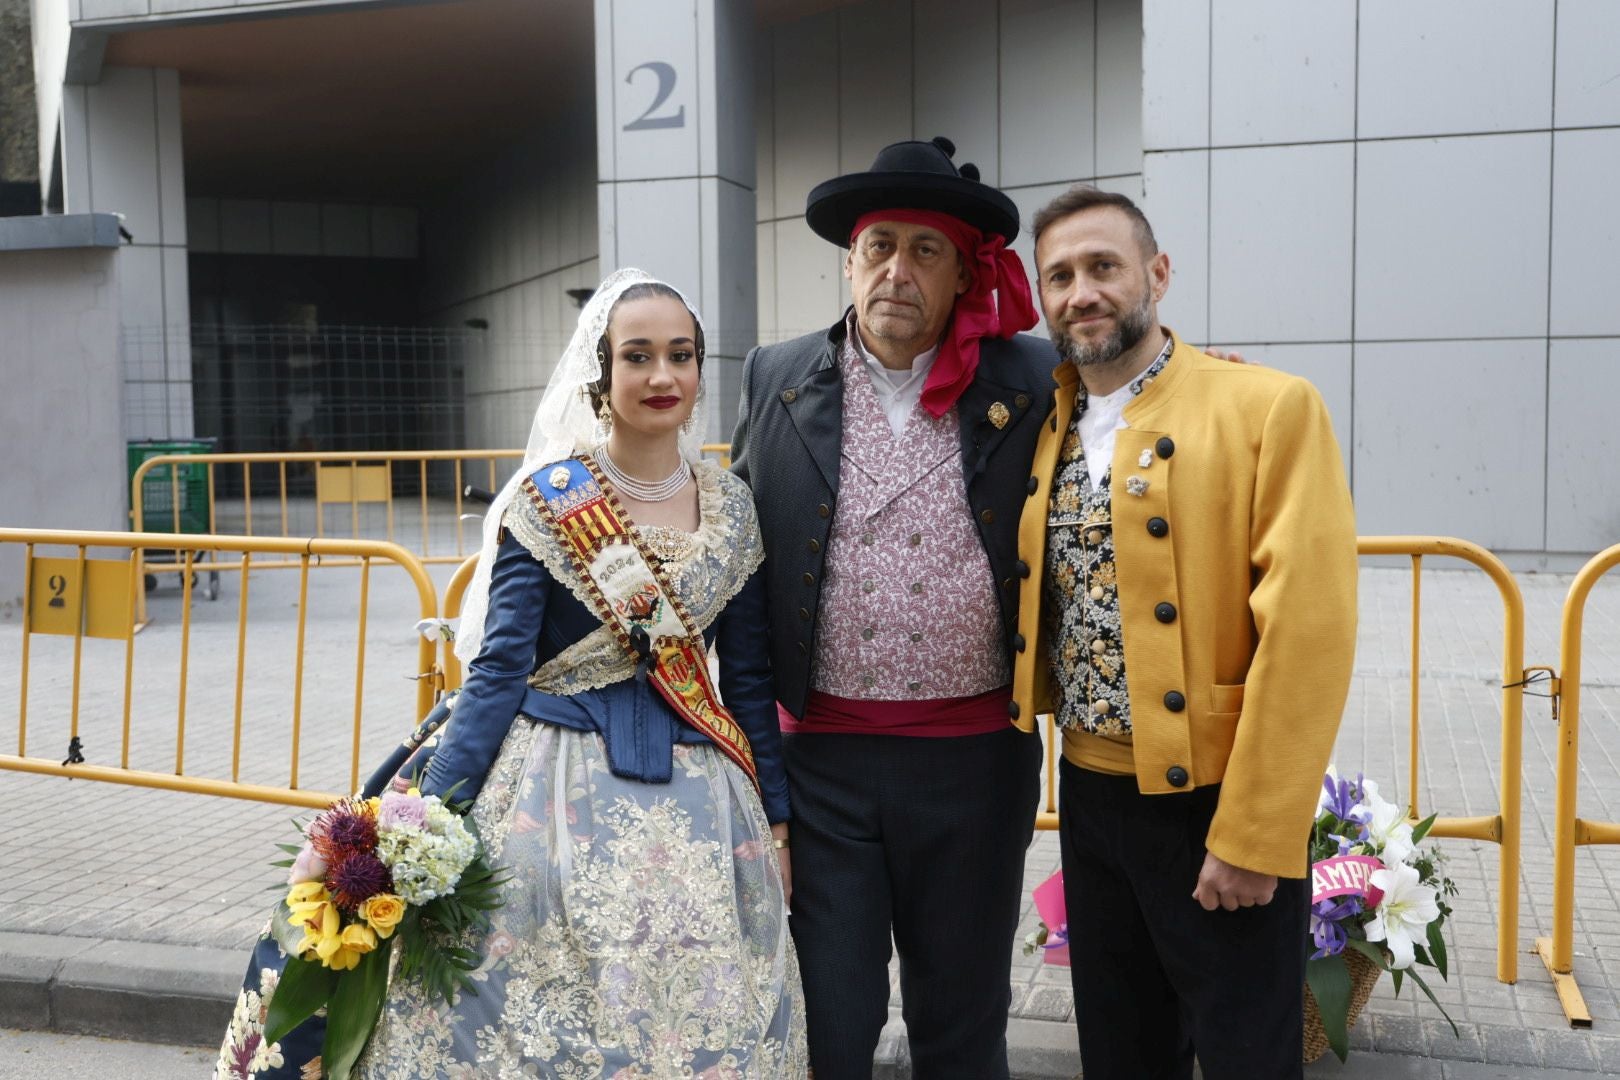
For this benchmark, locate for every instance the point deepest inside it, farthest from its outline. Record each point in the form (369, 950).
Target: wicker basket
(1363, 977)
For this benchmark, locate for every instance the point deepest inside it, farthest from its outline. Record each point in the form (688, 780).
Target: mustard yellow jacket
(1246, 528)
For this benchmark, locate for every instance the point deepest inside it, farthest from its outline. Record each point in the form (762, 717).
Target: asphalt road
(44, 1055)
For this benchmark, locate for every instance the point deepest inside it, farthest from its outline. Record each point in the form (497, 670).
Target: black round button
(1022, 401)
(1008, 584)
(1165, 447)
(1157, 526)
(1023, 568)
(1165, 613)
(1034, 485)
(814, 546)
(988, 517)
(804, 614)
(824, 510)
(1012, 709)
(1018, 642)
(1174, 701)
(1176, 775)
(790, 396)
(804, 649)
(809, 579)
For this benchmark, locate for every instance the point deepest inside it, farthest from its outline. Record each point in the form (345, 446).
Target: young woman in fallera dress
(644, 929)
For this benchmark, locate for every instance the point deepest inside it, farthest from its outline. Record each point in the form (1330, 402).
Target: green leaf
(1329, 980)
(1425, 988)
(1421, 829)
(304, 987)
(350, 1018)
(282, 929)
(1371, 950)
(1437, 948)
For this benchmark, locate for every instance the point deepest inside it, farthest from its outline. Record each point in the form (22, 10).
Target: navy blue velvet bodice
(532, 618)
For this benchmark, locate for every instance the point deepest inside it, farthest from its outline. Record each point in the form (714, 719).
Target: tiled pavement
(103, 861)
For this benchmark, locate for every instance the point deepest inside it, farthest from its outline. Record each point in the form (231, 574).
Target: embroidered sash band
(633, 598)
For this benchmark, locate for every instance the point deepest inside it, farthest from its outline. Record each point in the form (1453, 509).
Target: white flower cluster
(1406, 906)
(426, 860)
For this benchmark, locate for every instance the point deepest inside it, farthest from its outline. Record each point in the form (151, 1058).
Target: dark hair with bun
(598, 391)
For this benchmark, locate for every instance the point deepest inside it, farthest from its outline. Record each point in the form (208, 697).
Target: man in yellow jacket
(1188, 612)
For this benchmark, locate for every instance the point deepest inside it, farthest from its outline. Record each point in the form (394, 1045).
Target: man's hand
(1220, 884)
(780, 832)
(1231, 355)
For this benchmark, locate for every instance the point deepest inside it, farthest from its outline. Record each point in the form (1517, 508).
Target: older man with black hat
(889, 456)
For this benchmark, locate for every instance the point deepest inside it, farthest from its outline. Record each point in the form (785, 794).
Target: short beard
(1132, 328)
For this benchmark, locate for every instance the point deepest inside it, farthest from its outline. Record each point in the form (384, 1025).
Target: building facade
(1405, 202)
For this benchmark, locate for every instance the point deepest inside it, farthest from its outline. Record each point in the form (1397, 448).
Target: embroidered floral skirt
(643, 934)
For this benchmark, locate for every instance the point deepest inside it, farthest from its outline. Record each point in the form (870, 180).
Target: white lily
(1388, 831)
(1403, 914)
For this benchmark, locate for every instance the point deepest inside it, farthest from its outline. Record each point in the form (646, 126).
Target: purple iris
(1344, 800)
(1326, 929)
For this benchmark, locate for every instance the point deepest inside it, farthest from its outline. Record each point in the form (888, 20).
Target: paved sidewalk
(125, 906)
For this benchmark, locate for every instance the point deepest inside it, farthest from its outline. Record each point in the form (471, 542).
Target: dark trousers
(924, 839)
(1157, 979)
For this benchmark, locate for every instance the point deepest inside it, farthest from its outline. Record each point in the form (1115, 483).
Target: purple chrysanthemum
(357, 879)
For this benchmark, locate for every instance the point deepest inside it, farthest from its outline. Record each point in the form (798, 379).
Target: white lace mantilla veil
(564, 424)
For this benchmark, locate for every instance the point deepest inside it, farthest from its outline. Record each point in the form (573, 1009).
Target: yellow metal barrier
(1503, 827)
(1558, 951)
(1500, 828)
(453, 592)
(85, 597)
(354, 480)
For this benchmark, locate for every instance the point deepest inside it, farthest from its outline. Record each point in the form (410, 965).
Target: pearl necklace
(658, 491)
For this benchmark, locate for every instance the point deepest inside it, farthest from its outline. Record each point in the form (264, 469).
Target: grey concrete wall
(504, 247)
(122, 154)
(1413, 206)
(675, 164)
(59, 315)
(1038, 93)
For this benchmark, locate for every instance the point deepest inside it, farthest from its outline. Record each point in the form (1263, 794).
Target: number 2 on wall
(665, 73)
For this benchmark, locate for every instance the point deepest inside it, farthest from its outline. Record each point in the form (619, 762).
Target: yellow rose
(382, 913)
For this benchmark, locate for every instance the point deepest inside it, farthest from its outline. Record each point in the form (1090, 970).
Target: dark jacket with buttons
(787, 447)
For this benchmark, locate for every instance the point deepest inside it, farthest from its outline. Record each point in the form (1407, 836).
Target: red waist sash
(931, 718)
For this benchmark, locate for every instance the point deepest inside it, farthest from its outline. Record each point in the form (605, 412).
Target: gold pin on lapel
(999, 415)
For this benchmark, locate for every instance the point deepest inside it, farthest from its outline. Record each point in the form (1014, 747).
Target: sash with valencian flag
(633, 598)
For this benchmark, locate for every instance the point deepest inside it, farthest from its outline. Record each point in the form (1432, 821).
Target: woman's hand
(779, 831)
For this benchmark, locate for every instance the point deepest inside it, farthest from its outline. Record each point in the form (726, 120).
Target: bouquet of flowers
(1374, 891)
(402, 868)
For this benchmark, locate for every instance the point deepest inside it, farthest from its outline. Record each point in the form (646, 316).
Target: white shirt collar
(898, 391)
(892, 379)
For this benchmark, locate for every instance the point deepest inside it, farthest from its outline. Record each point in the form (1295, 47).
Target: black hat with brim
(910, 176)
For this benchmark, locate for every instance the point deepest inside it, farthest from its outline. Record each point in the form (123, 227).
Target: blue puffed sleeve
(750, 693)
(497, 679)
